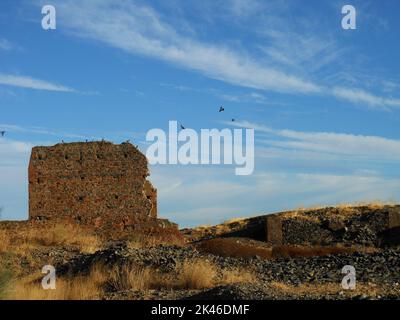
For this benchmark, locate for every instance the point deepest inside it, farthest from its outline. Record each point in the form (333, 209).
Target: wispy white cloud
(9, 128)
(253, 97)
(250, 97)
(309, 189)
(360, 146)
(302, 52)
(140, 29)
(32, 83)
(362, 96)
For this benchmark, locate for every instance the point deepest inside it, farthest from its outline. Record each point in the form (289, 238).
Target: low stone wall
(358, 225)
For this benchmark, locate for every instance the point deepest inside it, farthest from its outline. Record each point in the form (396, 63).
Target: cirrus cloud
(32, 83)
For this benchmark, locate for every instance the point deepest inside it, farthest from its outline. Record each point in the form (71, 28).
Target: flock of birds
(221, 109)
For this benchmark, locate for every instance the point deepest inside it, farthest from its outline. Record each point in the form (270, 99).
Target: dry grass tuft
(197, 274)
(132, 278)
(203, 226)
(235, 220)
(24, 240)
(377, 204)
(4, 241)
(78, 288)
(300, 213)
(5, 278)
(156, 237)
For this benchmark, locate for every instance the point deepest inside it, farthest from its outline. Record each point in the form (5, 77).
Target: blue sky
(324, 101)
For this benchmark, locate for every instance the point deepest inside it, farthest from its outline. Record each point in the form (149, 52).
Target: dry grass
(4, 241)
(345, 209)
(148, 241)
(24, 243)
(300, 213)
(24, 240)
(235, 220)
(198, 274)
(79, 288)
(202, 227)
(61, 235)
(132, 278)
(377, 204)
(189, 275)
(5, 277)
(155, 237)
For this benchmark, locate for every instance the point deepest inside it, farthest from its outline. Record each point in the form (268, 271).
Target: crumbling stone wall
(95, 183)
(363, 225)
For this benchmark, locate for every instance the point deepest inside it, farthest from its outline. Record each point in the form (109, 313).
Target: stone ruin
(368, 225)
(99, 185)
(363, 225)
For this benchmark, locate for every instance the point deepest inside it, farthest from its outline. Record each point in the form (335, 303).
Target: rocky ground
(230, 261)
(377, 274)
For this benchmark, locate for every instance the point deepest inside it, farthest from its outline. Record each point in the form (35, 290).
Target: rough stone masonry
(364, 225)
(97, 184)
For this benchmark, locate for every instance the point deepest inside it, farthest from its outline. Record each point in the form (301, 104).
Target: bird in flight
(2, 133)
(221, 109)
(182, 127)
(233, 120)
